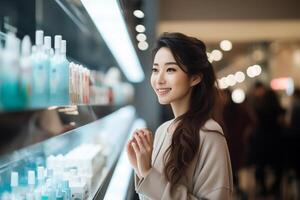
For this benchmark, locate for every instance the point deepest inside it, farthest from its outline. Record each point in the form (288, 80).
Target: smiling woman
(166, 74)
(188, 158)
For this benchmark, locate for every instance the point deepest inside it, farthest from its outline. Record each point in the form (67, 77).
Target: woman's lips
(163, 91)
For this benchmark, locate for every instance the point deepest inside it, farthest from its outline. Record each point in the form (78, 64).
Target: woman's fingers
(129, 146)
(149, 136)
(145, 141)
(139, 142)
(135, 148)
(145, 133)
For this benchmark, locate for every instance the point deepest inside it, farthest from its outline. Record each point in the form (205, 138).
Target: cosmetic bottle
(31, 181)
(26, 71)
(10, 90)
(40, 92)
(65, 73)
(55, 62)
(14, 184)
(48, 192)
(66, 190)
(40, 182)
(40, 176)
(59, 194)
(47, 47)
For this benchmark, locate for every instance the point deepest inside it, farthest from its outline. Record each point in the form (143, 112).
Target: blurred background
(254, 47)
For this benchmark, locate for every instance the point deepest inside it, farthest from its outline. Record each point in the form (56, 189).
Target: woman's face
(170, 83)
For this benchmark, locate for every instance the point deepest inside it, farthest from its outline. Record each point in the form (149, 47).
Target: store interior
(64, 138)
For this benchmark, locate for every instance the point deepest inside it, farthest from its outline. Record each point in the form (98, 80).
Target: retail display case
(86, 155)
(71, 151)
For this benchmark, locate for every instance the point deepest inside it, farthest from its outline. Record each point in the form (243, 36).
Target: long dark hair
(190, 55)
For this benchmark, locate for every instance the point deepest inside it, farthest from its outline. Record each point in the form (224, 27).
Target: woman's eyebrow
(167, 63)
(170, 63)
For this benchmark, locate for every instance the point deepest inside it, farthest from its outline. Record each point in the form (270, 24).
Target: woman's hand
(143, 146)
(132, 157)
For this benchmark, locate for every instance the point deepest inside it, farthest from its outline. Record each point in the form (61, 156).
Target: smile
(163, 91)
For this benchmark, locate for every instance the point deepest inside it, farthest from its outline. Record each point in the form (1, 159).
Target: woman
(190, 158)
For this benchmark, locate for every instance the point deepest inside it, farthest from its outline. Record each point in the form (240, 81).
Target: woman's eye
(154, 70)
(171, 70)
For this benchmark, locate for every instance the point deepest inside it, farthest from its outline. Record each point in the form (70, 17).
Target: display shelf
(24, 128)
(109, 132)
(119, 183)
(105, 99)
(31, 135)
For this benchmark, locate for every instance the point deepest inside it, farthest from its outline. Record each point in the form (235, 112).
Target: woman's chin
(163, 101)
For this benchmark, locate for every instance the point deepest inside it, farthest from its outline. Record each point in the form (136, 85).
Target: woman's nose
(161, 78)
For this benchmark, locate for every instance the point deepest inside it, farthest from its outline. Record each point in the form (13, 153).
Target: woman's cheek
(152, 80)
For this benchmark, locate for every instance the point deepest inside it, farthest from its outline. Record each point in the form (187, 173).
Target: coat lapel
(158, 147)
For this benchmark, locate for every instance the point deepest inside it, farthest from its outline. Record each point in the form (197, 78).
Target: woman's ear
(196, 79)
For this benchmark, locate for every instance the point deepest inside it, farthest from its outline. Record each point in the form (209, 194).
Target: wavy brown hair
(190, 55)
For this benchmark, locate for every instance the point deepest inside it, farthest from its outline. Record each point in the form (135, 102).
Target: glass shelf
(31, 135)
(23, 128)
(109, 132)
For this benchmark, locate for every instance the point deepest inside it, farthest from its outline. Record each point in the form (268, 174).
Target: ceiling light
(250, 71)
(209, 57)
(140, 28)
(216, 55)
(238, 96)
(222, 83)
(141, 37)
(109, 21)
(257, 70)
(231, 80)
(138, 13)
(143, 45)
(239, 76)
(226, 45)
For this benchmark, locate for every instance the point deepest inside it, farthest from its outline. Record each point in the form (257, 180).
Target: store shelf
(24, 128)
(104, 132)
(119, 183)
(31, 135)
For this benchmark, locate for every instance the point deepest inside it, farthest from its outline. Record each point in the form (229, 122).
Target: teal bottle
(10, 85)
(40, 83)
(26, 71)
(65, 74)
(59, 74)
(54, 75)
(66, 190)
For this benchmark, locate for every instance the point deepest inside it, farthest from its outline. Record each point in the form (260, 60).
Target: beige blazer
(208, 177)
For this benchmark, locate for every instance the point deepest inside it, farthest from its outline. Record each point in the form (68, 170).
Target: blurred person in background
(189, 158)
(266, 150)
(295, 112)
(292, 136)
(238, 124)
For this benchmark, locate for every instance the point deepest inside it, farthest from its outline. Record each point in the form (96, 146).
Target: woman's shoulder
(212, 132)
(164, 126)
(212, 125)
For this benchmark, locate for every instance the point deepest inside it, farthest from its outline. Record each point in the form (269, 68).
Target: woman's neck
(181, 106)
(179, 110)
